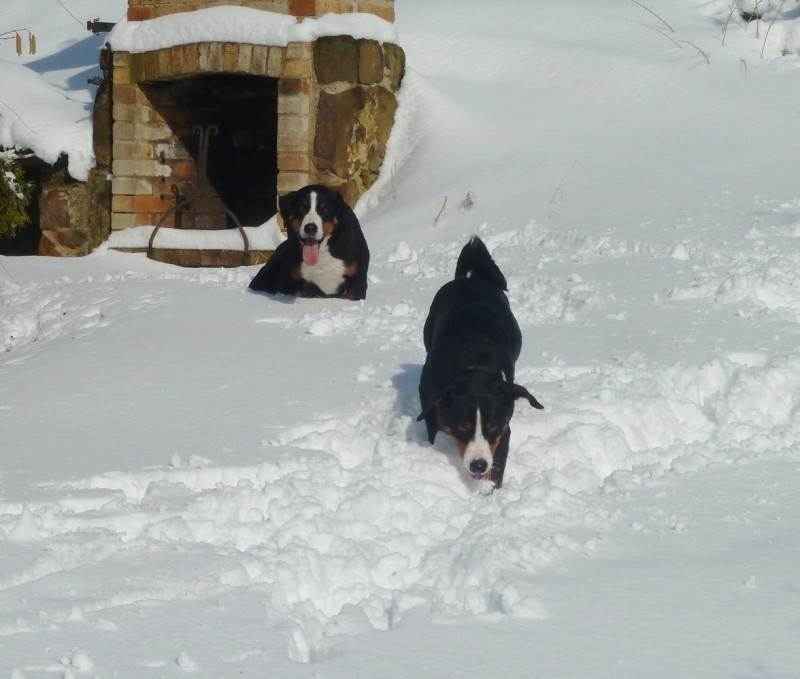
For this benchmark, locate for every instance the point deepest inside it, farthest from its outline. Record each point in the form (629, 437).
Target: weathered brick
(127, 150)
(142, 113)
(210, 58)
(122, 74)
(140, 13)
(123, 185)
(145, 219)
(290, 86)
(121, 221)
(288, 143)
(152, 67)
(124, 94)
(333, 7)
(122, 203)
(243, 58)
(299, 50)
(230, 57)
(191, 58)
(294, 162)
(124, 131)
(293, 68)
(153, 204)
(292, 181)
(275, 62)
(293, 125)
(131, 186)
(123, 113)
(298, 105)
(302, 8)
(259, 59)
(153, 132)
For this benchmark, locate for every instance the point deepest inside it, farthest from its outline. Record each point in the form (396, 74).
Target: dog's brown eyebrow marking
(460, 445)
(493, 444)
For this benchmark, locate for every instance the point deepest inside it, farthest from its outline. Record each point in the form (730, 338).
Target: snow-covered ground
(198, 479)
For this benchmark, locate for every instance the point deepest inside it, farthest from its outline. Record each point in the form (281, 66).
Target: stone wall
(355, 106)
(74, 215)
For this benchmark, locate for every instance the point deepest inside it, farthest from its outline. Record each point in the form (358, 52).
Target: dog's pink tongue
(311, 253)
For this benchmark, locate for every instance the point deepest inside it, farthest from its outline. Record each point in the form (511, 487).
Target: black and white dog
(467, 387)
(325, 253)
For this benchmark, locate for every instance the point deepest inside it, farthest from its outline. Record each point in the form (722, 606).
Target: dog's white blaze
(328, 273)
(312, 217)
(478, 448)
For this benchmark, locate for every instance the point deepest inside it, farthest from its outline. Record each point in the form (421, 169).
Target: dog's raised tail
(476, 262)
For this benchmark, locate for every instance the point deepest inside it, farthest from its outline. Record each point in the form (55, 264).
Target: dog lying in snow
(325, 253)
(467, 385)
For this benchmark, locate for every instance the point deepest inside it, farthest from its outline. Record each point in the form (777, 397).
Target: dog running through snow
(467, 387)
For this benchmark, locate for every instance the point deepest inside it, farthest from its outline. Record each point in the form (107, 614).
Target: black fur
(341, 236)
(473, 342)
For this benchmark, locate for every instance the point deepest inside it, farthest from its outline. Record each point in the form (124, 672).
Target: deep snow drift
(200, 479)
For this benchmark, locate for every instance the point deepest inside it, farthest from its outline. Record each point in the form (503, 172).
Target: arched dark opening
(223, 126)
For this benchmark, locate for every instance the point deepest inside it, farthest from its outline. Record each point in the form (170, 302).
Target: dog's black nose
(310, 229)
(478, 466)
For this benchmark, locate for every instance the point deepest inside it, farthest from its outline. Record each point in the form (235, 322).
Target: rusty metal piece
(98, 26)
(204, 134)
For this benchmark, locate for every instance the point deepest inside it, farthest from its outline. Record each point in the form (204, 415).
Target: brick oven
(206, 135)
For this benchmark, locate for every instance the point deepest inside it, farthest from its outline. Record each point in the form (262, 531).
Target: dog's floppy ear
(339, 197)
(516, 391)
(435, 402)
(430, 416)
(285, 207)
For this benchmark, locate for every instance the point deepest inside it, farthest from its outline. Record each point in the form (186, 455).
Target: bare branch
(701, 52)
(558, 188)
(647, 9)
(435, 221)
(769, 28)
(734, 6)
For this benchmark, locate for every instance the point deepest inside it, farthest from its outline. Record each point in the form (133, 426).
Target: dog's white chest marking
(327, 274)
